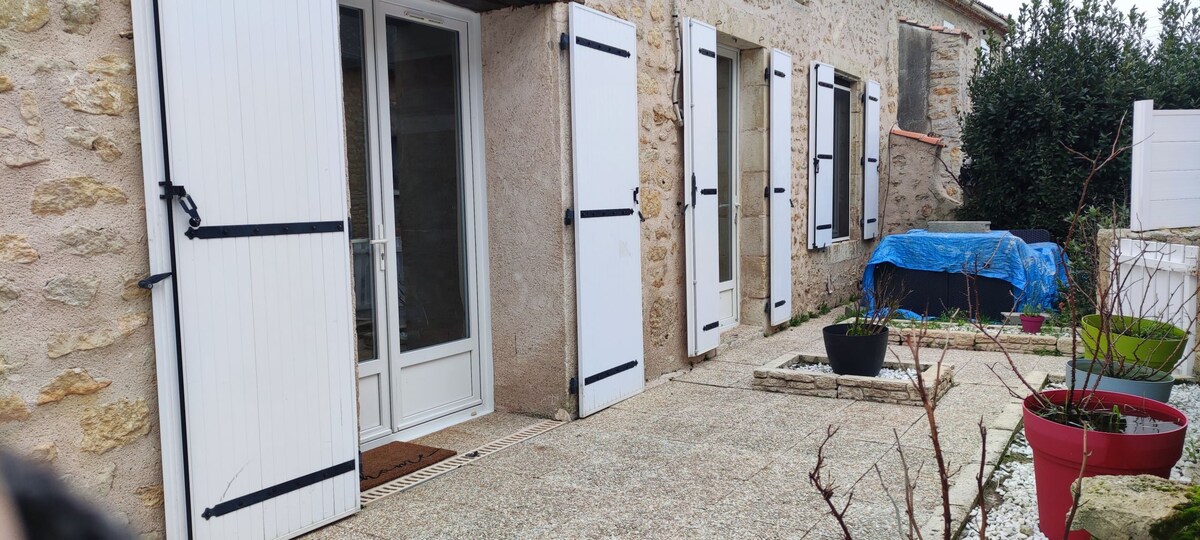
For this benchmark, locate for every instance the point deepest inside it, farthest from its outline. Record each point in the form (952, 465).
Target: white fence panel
(1165, 176)
(1158, 281)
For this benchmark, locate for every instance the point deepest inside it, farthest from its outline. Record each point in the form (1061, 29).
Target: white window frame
(849, 157)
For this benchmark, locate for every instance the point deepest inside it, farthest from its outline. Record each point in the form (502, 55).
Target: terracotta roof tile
(918, 136)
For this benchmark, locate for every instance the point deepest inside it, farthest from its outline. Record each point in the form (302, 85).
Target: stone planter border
(776, 376)
(978, 341)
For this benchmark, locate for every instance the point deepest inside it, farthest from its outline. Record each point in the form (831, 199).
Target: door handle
(382, 241)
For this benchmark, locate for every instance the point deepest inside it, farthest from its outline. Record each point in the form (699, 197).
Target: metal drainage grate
(442, 467)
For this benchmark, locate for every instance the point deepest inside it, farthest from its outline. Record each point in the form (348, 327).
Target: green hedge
(1064, 78)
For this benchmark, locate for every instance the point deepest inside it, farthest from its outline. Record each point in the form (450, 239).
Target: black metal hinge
(568, 217)
(564, 41)
(573, 386)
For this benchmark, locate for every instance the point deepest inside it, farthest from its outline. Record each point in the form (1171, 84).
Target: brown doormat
(393, 460)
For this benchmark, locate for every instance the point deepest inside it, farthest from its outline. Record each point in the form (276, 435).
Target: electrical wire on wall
(887, 190)
(677, 81)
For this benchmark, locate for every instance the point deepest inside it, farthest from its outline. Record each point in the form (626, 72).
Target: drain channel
(442, 467)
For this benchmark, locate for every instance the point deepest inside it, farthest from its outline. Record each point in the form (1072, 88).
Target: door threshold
(429, 427)
(442, 467)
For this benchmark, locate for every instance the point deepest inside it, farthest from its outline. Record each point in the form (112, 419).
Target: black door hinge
(564, 41)
(568, 217)
(573, 386)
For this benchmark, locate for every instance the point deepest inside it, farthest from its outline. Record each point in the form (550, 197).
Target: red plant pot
(1058, 452)
(1032, 324)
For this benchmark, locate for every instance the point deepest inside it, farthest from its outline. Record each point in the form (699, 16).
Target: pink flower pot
(1032, 324)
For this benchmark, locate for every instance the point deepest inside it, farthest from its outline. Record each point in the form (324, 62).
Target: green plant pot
(1158, 354)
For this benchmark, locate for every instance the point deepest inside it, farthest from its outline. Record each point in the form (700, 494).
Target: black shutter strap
(265, 229)
(276, 490)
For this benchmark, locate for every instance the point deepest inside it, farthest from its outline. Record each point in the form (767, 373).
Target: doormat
(393, 460)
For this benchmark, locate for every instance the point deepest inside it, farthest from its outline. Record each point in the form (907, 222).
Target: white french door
(727, 185)
(410, 82)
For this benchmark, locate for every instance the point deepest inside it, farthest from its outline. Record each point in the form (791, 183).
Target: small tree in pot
(858, 347)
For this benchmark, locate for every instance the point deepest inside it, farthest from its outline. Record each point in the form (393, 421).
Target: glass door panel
(424, 106)
(367, 236)
(727, 196)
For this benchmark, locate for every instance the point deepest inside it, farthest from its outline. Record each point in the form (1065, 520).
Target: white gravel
(885, 373)
(1016, 516)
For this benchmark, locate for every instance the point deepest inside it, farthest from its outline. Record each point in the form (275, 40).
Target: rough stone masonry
(76, 360)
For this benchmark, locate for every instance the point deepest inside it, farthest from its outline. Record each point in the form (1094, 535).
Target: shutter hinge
(816, 165)
(573, 386)
(766, 74)
(568, 217)
(563, 41)
(693, 190)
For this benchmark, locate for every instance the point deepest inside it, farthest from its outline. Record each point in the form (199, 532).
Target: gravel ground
(885, 373)
(1016, 515)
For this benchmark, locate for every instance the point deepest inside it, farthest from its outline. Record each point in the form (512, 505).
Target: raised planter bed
(1052, 341)
(779, 375)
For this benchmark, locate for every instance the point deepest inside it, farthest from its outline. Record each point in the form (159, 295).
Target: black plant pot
(855, 355)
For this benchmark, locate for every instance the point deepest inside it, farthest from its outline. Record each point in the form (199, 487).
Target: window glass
(725, 172)
(841, 162)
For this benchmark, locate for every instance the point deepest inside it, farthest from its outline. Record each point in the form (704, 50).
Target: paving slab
(701, 456)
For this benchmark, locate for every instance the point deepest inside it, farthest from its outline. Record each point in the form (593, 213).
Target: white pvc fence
(1158, 281)
(1165, 179)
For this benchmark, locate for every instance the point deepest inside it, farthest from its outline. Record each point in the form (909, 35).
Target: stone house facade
(89, 366)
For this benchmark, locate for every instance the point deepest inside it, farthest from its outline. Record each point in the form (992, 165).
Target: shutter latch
(185, 201)
(149, 282)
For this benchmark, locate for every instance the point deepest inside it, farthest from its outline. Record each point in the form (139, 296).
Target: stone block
(114, 425)
(13, 409)
(71, 382)
(103, 97)
(59, 196)
(16, 248)
(9, 293)
(1127, 507)
(71, 291)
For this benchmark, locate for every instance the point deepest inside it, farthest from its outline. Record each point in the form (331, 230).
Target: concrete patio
(700, 456)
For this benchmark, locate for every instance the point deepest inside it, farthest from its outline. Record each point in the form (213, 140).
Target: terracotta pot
(1058, 451)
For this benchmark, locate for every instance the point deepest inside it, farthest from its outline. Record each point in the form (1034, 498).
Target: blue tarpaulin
(1034, 270)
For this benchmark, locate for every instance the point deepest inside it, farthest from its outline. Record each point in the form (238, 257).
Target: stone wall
(76, 364)
(919, 187)
(859, 38)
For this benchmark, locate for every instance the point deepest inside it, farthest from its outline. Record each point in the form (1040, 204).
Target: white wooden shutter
(781, 187)
(700, 179)
(1165, 183)
(820, 152)
(254, 134)
(608, 269)
(870, 191)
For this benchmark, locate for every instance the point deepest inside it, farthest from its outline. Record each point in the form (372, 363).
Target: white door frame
(735, 178)
(436, 14)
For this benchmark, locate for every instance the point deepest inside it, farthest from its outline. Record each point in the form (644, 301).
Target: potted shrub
(857, 347)
(1128, 354)
(1153, 344)
(1031, 319)
(1117, 434)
